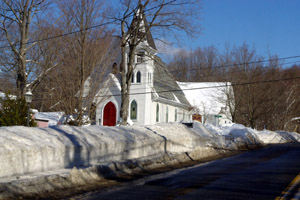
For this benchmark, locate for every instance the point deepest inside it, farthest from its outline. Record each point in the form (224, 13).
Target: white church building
(155, 96)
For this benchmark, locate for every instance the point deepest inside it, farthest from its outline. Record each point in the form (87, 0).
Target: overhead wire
(62, 35)
(190, 70)
(196, 88)
(208, 76)
(245, 63)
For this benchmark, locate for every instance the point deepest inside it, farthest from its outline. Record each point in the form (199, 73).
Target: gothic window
(157, 113)
(132, 78)
(133, 110)
(149, 78)
(167, 114)
(138, 77)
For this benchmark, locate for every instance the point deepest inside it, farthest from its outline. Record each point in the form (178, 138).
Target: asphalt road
(258, 174)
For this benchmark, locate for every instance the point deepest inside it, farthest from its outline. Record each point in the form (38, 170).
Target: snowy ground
(35, 160)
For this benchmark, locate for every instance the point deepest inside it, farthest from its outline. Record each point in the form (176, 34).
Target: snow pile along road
(26, 150)
(44, 161)
(237, 136)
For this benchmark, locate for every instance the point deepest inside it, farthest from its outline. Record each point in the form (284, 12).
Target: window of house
(138, 77)
(157, 113)
(175, 115)
(167, 114)
(133, 110)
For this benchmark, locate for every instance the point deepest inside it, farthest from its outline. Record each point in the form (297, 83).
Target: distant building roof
(210, 96)
(53, 118)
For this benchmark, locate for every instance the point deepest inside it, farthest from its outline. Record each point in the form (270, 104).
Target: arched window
(175, 115)
(157, 113)
(138, 77)
(132, 78)
(133, 110)
(167, 114)
(149, 78)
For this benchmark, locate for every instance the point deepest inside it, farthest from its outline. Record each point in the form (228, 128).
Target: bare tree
(77, 56)
(181, 66)
(18, 21)
(162, 15)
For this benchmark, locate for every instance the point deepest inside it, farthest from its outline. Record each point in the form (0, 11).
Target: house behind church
(210, 100)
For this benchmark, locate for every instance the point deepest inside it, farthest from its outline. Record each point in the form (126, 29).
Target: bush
(14, 112)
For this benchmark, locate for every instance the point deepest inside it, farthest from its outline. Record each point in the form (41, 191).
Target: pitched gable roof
(94, 82)
(165, 85)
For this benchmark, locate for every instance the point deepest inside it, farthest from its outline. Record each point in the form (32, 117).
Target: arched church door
(109, 115)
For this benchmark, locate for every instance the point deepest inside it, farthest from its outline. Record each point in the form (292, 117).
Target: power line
(198, 88)
(246, 63)
(208, 76)
(137, 89)
(63, 35)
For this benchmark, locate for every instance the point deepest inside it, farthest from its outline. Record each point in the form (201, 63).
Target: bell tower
(143, 75)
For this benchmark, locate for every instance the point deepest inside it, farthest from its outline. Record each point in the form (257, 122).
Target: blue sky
(268, 25)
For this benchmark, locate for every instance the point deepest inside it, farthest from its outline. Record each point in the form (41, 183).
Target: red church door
(109, 115)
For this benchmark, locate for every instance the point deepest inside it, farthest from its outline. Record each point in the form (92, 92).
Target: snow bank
(26, 150)
(237, 136)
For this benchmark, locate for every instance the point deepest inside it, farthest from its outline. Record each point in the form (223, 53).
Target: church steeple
(140, 22)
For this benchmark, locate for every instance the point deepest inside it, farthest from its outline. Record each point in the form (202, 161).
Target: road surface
(259, 174)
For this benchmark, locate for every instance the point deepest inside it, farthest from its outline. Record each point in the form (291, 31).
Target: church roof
(149, 37)
(165, 85)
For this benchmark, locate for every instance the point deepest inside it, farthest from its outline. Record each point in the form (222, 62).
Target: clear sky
(268, 25)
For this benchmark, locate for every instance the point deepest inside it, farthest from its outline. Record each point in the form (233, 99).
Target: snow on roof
(208, 96)
(2, 96)
(52, 117)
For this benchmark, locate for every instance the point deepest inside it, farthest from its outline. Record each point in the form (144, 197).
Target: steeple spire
(141, 21)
